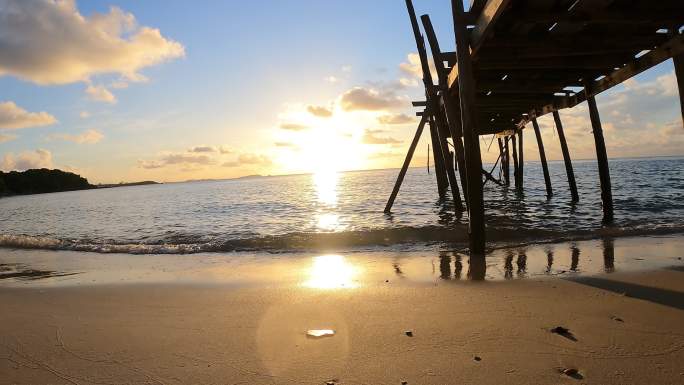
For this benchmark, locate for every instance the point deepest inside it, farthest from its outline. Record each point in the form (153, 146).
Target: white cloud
(371, 137)
(51, 42)
(249, 159)
(86, 137)
(84, 114)
(319, 111)
(396, 119)
(15, 117)
(414, 69)
(100, 94)
(201, 149)
(369, 99)
(293, 126)
(27, 160)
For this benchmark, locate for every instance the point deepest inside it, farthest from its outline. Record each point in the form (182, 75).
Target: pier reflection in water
(597, 256)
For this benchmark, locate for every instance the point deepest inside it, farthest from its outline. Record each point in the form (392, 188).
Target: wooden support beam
(506, 163)
(485, 22)
(566, 157)
(673, 47)
(405, 166)
(521, 160)
(473, 160)
(542, 158)
(448, 162)
(447, 104)
(679, 72)
(516, 166)
(438, 159)
(602, 158)
(421, 103)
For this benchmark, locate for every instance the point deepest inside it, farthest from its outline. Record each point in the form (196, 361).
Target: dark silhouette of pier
(517, 60)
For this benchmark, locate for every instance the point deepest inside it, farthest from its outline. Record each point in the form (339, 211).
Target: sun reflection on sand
(331, 272)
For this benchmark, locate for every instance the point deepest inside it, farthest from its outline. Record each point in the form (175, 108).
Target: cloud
(319, 111)
(293, 126)
(86, 137)
(369, 99)
(249, 159)
(201, 149)
(27, 160)
(369, 137)
(51, 42)
(182, 159)
(286, 144)
(6, 138)
(225, 150)
(331, 79)
(396, 119)
(100, 94)
(15, 117)
(84, 114)
(414, 69)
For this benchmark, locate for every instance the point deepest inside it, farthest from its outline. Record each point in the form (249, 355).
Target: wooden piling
(679, 72)
(473, 160)
(438, 159)
(450, 172)
(542, 158)
(407, 162)
(602, 158)
(448, 106)
(501, 155)
(507, 163)
(516, 170)
(521, 160)
(566, 157)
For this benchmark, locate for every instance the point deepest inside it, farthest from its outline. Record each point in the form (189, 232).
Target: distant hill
(39, 181)
(122, 184)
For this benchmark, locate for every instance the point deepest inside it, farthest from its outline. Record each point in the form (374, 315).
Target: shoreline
(421, 317)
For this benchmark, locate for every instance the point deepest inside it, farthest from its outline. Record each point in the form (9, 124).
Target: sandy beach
(625, 327)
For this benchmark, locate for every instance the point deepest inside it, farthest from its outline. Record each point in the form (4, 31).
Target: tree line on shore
(37, 181)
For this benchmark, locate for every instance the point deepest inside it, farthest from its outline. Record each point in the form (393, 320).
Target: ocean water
(341, 211)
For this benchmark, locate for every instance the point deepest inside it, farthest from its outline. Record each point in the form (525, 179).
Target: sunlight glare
(331, 272)
(326, 186)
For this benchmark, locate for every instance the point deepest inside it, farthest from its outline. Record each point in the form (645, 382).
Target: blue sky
(224, 89)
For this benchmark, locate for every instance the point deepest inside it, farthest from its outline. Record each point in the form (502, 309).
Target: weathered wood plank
(485, 22)
(473, 160)
(542, 158)
(405, 166)
(602, 159)
(566, 157)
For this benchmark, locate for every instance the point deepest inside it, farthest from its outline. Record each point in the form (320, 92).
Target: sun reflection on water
(326, 187)
(331, 272)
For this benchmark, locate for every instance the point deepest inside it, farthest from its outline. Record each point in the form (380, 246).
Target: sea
(343, 211)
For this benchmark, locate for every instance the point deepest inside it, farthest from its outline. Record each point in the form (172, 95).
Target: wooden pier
(518, 60)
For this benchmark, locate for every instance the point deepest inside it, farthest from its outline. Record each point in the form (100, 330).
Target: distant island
(39, 181)
(122, 184)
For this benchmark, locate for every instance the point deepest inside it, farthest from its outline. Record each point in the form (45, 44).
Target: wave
(453, 237)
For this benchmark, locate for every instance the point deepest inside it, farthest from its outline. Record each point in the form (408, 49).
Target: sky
(177, 90)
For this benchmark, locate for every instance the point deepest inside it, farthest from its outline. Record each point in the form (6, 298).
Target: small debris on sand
(618, 319)
(318, 333)
(565, 332)
(404, 383)
(477, 358)
(572, 372)
(409, 333)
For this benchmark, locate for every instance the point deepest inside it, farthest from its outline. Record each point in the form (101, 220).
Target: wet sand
(172, 323)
